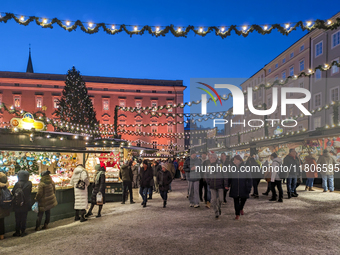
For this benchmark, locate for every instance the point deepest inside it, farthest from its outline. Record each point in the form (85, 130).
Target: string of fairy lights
(222, 31)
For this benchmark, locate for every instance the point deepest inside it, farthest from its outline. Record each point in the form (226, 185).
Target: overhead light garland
(178, 31)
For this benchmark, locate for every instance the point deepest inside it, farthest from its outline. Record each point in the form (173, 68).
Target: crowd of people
(156, 177)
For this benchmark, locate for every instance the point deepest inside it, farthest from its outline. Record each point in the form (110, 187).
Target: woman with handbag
(98, 190)
(80, 182)
(46, 199)
(4, 211)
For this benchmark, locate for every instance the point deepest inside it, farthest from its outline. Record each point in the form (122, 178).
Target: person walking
(125, 174)
(46, 199)
(193, 178)
(99, 186)
(203, 182)
(267, 177)
(134, 169)
(291, 162)
(239, 183)
(4, 212)
(225, 161)
(251, 162)
(164, 179)
(80, 181)
(146, 175)
(172, 171)
(22, 191)
(180, 167)
(217, 182)
(327, 173)
(310, 168)
(275, 177)
(156, 168)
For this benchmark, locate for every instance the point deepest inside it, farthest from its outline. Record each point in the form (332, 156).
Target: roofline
(94, 79)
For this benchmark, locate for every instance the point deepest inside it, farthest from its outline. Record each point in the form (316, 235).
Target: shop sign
(278, 131)
(27, 122)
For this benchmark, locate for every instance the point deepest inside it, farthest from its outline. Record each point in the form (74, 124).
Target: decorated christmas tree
(75, 106)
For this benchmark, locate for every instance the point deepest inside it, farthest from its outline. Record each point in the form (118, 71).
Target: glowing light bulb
(45, 21)
(244, 27)
(157, 29)
(265, 27)
(90, 24)
(22, 18)
(287, 26)
(201, 29)
(329, 22)
(68, 23)
(135, 28)
(179, 29)
(309, 23)
(113, 27)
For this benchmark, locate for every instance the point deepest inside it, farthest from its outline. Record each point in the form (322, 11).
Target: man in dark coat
(225, 161)
(125, 174)
(292, 163)
(203, 183)
(22, 202)
(164, 179)
(240, 184)
(193, 178)
(146, 175)
(251, 162)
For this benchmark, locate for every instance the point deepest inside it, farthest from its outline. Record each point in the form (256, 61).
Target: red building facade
(35, 92)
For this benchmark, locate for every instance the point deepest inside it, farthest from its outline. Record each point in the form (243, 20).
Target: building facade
(34, 92)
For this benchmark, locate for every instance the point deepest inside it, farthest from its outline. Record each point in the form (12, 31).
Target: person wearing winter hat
(80, 195)
(3, 212)
(99, 186)
(22, 202)
(46, 199)
(164, 178)
(146, 175)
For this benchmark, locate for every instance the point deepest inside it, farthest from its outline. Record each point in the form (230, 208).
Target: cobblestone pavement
(308, 224)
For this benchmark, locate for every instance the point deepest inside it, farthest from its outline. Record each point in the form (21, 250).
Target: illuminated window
(138, 104)
(170, 104)
(17, 101)
(39, 102)
(105, 104)
(55, 103)
(122, 103)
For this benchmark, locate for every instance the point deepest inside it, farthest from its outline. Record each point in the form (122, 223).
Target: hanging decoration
(178, 31)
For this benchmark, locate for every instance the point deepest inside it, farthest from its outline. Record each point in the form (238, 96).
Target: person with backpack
(46, 199)
(22, 202)
(5, 203)
(80, 182)
(275, 177)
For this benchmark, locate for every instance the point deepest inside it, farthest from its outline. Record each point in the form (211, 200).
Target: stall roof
(139, 148)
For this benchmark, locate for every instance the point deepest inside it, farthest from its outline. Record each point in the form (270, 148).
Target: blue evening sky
(55, 50)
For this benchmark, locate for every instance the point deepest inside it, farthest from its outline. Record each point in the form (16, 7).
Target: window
(300, 127)
(154, 91)
(284, 75)
(318, 49)
(317, 100)
(169, 92)
(170, 129)
(154, 129)
(302, 47)
(317, 74)
(334, 94)
(122, 122)
(302, 65)
(138, 91)
(154, 144)
(269, 70)
(55, 103)
(301, 85)
(283, 60)
(335, 69)
(17, 101)
(170, 104)
(122, 103)
(122, 90)
(317, 122)
(138, 129)
(138, 104)
(39, 102)
(291, 55)
(154, 105)
(276, 65)
(291, 71)
(335, 39)
(106, 105)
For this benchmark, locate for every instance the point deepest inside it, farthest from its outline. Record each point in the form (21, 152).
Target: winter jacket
(156, 168)
(125, 173)
(3, 185)
(99, 186)
(192, 175)
(80, 196)
(240, 183)
(26, 187)
(293, 166)
(164, 179)
(214, 180)
(145, 177)
(46, 194)
(175, 164)
(310, 167)
(275, 171)
(327, 160)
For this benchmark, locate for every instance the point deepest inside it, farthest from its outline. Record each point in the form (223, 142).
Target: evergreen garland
(75, 106)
